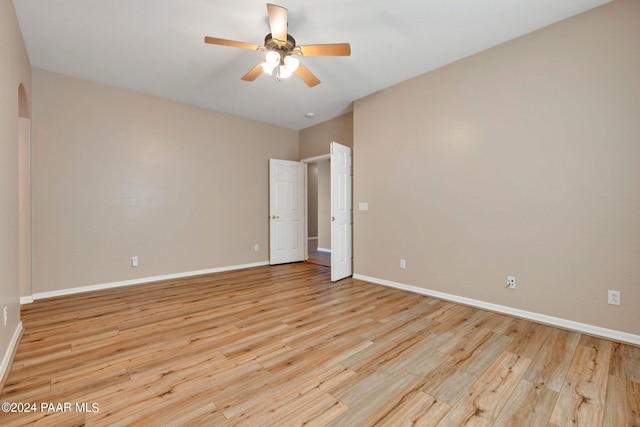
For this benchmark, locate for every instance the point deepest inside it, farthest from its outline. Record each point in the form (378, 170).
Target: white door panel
(286, 207)
(341, 212)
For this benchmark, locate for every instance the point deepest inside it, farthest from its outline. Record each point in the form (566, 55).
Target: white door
(286, 211)
(341, 212)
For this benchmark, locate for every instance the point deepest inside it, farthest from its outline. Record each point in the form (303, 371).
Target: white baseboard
(8, 355)
(536, 317)
(324, 250)
(50, 294)
(26, 300)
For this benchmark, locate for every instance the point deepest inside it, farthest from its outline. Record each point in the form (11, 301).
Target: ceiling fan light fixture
(267, 68)
(291, 63)
(272, 58)
(284, 72)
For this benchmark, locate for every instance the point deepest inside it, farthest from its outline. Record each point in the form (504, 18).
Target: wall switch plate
(403, 264)
(134, 261)
(511, 282)
(613, 297)
(363, 206)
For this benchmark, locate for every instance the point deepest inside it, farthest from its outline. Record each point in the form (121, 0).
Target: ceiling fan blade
(306, 75)
(224, 42)
(253, 74)
(337, 49)
(277, 22)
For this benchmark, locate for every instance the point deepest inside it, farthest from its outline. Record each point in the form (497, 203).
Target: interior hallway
(319, 258)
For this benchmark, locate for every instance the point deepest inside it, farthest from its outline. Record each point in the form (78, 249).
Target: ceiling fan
(281, 50)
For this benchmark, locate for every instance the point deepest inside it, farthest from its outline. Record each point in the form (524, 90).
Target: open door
(341, 212)
(287, 240)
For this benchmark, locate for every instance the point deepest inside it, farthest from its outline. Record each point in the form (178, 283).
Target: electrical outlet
(511, 282)
(134, 261)
(403, 264)
(6, 316)
(613, 297)
(256, 247)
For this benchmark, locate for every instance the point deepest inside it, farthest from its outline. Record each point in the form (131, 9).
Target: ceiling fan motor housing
(284, 47)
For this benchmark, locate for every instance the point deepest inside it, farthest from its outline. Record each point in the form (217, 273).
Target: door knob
(274, 217)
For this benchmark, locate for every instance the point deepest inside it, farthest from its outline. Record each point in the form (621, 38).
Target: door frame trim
(317, 158)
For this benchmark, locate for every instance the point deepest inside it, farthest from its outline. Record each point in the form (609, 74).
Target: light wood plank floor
(284, 346)
(315, 257)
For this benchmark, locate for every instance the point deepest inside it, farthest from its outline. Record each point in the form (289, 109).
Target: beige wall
(521, 160)
(14, 71)
(315, 140)
(118, 174)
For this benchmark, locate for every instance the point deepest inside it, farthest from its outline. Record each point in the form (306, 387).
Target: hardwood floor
(284, 346)
(318, 257)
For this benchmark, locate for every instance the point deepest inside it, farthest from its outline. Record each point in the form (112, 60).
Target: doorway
(286, 237)
(319, 211)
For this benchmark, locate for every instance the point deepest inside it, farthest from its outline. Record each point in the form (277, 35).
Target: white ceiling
(157, 46)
